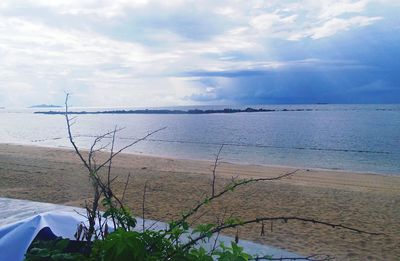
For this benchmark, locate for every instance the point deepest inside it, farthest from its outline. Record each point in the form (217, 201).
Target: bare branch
(152, 225)
(215, 244)
(127, 146)
(308, 258)
(98, 139)
(219, 221)
(71, 137)
(282, 218)
(126, 185)
(100, 225)
(230, 188)
(143, 204)
(111, 154)
(198, 217)
(80, 214)
(214, 170)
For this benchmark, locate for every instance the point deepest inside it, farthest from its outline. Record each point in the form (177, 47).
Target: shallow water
(362, 138)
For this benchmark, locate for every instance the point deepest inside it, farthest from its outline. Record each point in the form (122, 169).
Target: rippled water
(345, 137)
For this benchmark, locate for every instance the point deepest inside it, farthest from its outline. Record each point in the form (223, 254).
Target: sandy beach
(364, 201)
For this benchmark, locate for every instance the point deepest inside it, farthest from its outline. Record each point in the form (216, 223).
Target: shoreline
(365, 201)
(66, 148)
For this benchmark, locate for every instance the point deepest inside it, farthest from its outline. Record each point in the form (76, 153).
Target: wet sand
(365, 201)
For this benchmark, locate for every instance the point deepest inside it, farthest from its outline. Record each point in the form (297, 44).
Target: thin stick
(215, 169)
(230, 188)
(111, 153)
(283, 218)
(143, 205)
(126, 185)
(127, 146)
(70, 135)
(308, 258)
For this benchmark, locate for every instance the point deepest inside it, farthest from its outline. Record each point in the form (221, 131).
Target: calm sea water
(362, 138)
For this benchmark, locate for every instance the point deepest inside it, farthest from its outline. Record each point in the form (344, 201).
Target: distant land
(1, 108)
(45, 106)
(196, 111)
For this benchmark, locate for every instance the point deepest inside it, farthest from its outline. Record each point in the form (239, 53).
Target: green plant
(232, 253)
(52, 250)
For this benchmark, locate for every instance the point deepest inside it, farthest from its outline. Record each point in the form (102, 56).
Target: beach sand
(364, 201)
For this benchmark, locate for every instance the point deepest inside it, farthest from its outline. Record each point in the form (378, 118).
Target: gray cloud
(147, 52)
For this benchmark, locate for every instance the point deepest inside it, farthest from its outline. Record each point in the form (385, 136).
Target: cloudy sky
(176, 52)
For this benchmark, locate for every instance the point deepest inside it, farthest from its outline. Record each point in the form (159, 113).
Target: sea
(359, 138)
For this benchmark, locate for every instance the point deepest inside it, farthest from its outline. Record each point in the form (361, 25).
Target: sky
(139, 53)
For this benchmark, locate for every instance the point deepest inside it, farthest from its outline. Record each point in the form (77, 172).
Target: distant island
(2, 108)
(195, 111)
(45, 106)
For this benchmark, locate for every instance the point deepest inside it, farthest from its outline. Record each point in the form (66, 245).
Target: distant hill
(45, 106)
(196, 111)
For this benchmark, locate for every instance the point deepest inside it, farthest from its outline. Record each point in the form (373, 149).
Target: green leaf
(185, 225)
(62, 244)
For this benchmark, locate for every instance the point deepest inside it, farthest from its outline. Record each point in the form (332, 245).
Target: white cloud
(335, 25)
(91, 46)
(35, 56)
(266, 22)
(337, 8)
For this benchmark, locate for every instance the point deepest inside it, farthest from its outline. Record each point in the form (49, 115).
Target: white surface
(15, 238)
(21, 220)
(13, 210)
